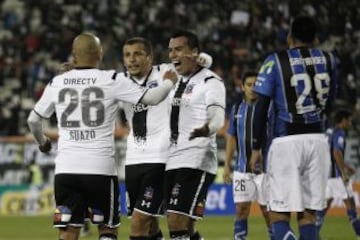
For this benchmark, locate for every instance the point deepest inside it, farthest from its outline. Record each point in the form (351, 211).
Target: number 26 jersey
(85, 102)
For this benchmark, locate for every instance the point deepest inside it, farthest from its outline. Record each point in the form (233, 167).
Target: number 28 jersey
(86, 102)
(302, 83)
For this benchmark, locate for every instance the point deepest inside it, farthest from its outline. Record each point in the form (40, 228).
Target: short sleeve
(339, 141)
(265, 82)
(215, 93)
(232, 128)
(45, 107)
(127, 91)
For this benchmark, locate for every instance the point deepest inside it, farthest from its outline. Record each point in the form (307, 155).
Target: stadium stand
(35, 37)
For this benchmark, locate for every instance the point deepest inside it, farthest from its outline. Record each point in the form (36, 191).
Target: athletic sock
(308, 231)
(354, 220)
(179, 235)
(196, 236)
(240, 229)
(107, 236)
(157, 236)
(271, 235)
(138, 238)
(282, 231)
(320, 216)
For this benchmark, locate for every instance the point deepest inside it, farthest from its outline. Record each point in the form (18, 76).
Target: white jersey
(85, 102)
(189, 111)
(148, 140)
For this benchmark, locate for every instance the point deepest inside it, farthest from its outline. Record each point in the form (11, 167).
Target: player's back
(302, 82)
(85, 106)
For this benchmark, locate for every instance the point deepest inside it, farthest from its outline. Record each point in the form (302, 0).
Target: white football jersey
(148, 139)
(201, 90)
(86, 102)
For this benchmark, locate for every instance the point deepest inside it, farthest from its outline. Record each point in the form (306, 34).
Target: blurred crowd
(36, 36)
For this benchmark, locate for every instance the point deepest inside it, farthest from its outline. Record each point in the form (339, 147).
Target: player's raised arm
(155, 95)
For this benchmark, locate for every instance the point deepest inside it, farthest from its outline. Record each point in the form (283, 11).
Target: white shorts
(336, 188)
(298, 167)
(248, 187)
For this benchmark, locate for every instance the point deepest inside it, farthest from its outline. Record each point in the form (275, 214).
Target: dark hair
(342, 114)
(192, 39)
(145, 42)
(247, 74)
(303, 28)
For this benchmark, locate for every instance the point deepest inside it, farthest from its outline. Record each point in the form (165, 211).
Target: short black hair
(342, 114)
(303, 28)
(192, 39)
(147, 44)
(247, 74)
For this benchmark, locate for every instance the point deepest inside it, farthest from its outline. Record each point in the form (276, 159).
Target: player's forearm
(35, 124)
(229, 150)
(216, 118)
(260, 118)
(339, 159)
(154, 96)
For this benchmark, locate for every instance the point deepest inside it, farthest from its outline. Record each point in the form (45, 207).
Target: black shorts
(145, 187)
(186, 191)
(79, 192)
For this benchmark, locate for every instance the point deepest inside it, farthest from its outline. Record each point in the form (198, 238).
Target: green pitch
(212, 228)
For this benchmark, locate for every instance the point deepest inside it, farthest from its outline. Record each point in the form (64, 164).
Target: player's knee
(177, 222)
(62, 216)
(140, 223)
(96, 216)
(242, 211)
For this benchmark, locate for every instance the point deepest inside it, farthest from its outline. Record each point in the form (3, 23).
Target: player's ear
(74, 57)
(289, 40)
(100, 54)
(195, 52)
(149, 57)
(316, 41)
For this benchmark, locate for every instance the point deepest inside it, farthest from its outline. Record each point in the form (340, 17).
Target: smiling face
(182, 56)
(136, 60)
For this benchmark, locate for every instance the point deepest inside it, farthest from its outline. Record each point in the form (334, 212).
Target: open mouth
(176, 63)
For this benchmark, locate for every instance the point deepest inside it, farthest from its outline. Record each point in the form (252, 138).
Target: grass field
(212, 228)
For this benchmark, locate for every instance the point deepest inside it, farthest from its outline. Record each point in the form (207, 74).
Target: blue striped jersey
(302, 83)
(240, 127)
(337, 141)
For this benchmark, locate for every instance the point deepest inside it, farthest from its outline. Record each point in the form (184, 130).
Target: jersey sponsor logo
(180, 102)
(82, 135)
(268, 66)
(140, 107)
(79, 81)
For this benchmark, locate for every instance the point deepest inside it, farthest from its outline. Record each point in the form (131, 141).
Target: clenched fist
(46, 147)
(171, 75)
